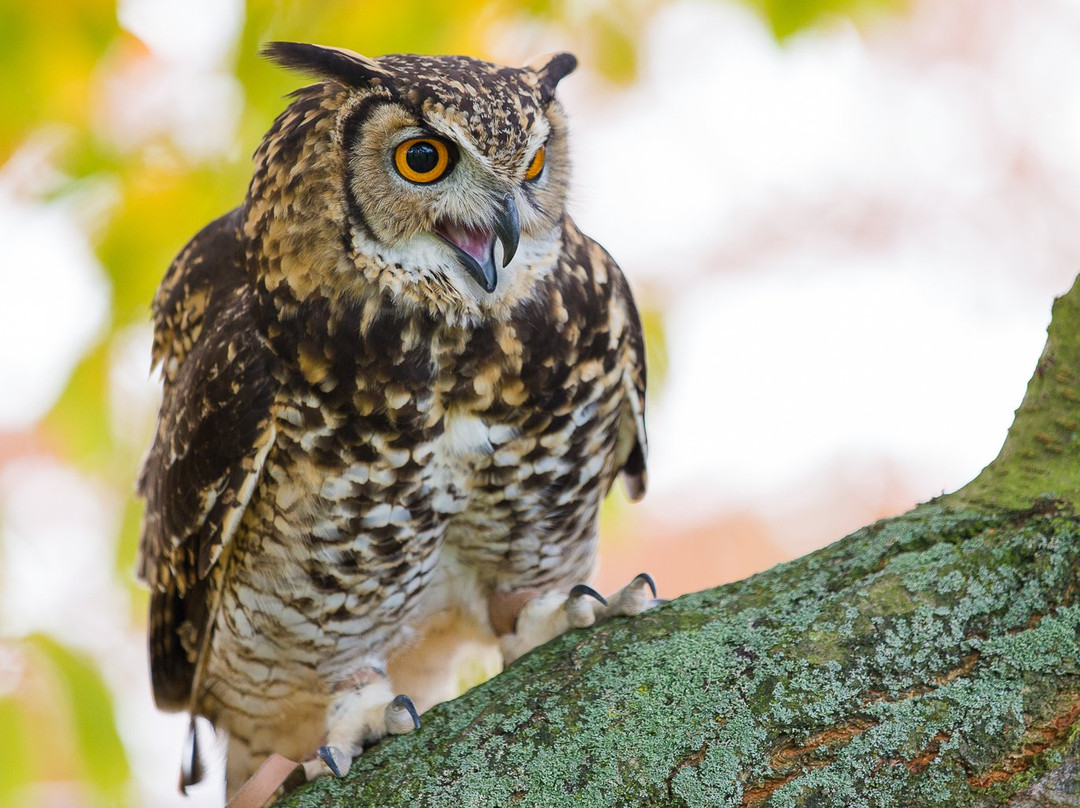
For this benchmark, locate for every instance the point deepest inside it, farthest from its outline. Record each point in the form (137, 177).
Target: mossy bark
(926, 660)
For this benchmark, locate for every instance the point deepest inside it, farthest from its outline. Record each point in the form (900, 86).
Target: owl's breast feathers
(246, 369)
(569, 347)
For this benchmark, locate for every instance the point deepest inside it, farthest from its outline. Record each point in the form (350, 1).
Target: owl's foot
(546, 616)
(636, 597)
(401, 717)
(360, 716)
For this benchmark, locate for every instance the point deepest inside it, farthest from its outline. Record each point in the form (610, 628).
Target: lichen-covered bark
(927, 660)
(1041, 456)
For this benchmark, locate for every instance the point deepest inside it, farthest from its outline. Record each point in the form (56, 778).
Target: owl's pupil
(422, 157)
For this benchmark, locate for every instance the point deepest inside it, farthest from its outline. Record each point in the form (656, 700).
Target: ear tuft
(551, 69)
(336, 64)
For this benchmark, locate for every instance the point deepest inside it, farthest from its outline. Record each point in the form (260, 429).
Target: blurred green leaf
(15, 771)
(79, 421)
(535, 8)
(90, 704)
(615, 39)
(656, 349)
(48, 54)
(161, 207)
(616, 510)
(127, 546)
(789, 17)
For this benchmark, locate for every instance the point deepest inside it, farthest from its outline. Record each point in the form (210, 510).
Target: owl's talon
(581, 613)
(648, 579)
(336, 760)
(546, 616)
(582, 589)
(636, 597)
(401, 716)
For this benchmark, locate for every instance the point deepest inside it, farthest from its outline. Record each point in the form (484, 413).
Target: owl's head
(449, 166)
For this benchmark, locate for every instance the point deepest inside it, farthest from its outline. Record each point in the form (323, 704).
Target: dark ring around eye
(423, 159)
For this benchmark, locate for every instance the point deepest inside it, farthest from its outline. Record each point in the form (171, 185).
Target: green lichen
(1039, 458)
(696, 702)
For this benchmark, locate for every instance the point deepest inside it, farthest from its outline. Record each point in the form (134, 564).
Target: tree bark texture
(926, 660)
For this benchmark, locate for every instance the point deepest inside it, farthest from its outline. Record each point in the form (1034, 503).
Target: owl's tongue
(477, 243)
(475, 248)
(475, 251)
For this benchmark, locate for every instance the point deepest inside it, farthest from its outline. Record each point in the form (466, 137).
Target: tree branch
(931, 659)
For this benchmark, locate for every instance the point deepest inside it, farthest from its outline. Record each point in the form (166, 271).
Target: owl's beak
(475, 249)
(507, 228)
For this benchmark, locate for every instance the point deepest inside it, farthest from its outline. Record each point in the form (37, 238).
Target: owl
(398, 383)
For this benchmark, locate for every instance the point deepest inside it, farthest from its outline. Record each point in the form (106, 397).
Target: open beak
(475, 249)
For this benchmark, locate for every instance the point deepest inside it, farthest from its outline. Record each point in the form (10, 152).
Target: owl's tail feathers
(276, 772)
(192, 769)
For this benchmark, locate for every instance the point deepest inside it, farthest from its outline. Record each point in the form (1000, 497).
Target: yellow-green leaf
(93, 720)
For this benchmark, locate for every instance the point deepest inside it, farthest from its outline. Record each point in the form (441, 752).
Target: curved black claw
(579, 610)
(648, 579)
(636, 597)
(582, 590)
(330, 756)
(404, 710)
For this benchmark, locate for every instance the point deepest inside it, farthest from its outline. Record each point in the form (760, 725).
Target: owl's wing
(627, 343)
(633, 446)
(213, 433)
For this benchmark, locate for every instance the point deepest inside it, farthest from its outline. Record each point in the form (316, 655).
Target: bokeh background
(845, 221)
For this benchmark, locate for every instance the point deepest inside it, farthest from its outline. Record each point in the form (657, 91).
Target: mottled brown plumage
(359, 447)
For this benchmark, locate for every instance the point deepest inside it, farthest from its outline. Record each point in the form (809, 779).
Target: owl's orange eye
(536, 166)
(423, 160)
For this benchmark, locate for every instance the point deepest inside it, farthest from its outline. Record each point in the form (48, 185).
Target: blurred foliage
(61, 705)
(789, 17)
(63, 58)
(58, 63)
